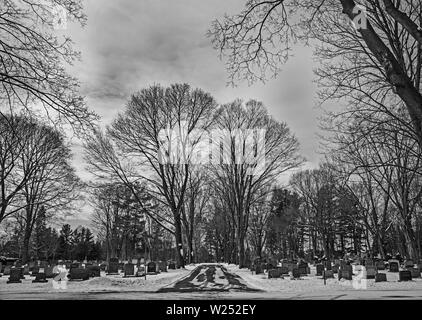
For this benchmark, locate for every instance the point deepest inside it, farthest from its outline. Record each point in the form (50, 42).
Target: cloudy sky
(131, 44)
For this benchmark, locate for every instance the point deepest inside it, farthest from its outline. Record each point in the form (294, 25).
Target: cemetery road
(209, 278)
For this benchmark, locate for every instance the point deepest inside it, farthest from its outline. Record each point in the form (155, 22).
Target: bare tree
(32, 58)
(250, 160)
(385, 42)
(144, 136)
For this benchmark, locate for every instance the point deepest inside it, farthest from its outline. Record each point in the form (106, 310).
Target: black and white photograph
(223, 152)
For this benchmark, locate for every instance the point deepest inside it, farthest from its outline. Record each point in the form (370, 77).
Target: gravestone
(408, 264)
(35, 270)
(26, 270)
(380, 265)
(405, 275)
(6, 271)
(415, 272)
(49, 273)
(79, 274)
(274, 273)
(295, 273)
(151, 267)
(328, 274)
(15, 275)
(346, 272)
(113, 266)
(129, 270)
(380, 277)
(258, 269)
(40, 276)
(283, 270)
(162, 266)
(370, 272)
(303, 268)
(94, 271)
(172, 265)
(393, 265)
(1, 268)
(319, 269)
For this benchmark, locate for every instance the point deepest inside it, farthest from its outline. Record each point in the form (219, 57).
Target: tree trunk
(179, 241)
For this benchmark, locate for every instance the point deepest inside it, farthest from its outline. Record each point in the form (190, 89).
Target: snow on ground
(312, 286)
(113, 283)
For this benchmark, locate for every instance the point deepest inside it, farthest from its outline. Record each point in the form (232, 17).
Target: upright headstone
(370, 272)
(40, 276)
(415, 272)
(405, 275)
(274, 273)
(302, 268)
(15, 275)
(94, 271)
(79, 274)
(380, 277)
(151, 267)
(346, 272)
(258, 269)
(408, 264)
(129, 270)
(295, 273)
(113, 266)
(319, 269)
(172, 265)
(49, 273)
(140, 271)
(393, 265)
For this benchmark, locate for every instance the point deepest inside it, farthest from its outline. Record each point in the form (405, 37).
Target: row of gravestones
(114, 267)
(287, 267)
(343, 268)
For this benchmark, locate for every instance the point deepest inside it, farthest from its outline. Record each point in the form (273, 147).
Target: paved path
(209, 278)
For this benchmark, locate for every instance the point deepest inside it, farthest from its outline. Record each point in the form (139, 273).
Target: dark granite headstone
(415, 272)
(405, 275)
(295, 273)
(303, 268)
(274, 273)
(328, 274)
(370, 272)
(113, 266)
(151, 267)
(393, 266)
(79, 274)
(129, 270)
(15, 275)
(94, 271)
(258, 269)
(346, 272)
(172, 265)
(380, 277)
(40, 276)
(319, 269)
(336, 268)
